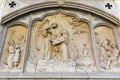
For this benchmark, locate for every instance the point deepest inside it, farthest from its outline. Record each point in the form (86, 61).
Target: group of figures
(13, 51)
(108, 53)
(13, 58)
(50, 41)
(60, 43)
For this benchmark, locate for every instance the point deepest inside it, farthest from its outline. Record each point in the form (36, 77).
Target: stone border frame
(79, 19)
(76, 75)
(5, 29)
(55, 4)
(91, 28)
(113, 27)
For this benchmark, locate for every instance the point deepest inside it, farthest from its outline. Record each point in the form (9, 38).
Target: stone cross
(60, 2)
(108, 5)
(12, 4)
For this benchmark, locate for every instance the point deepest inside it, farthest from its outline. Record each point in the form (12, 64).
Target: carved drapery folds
(13, 51)
(60, 43)
(107, 48)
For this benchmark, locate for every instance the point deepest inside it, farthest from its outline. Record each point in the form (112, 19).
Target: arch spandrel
(67, 5)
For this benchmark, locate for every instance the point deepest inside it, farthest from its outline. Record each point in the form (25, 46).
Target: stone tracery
(63, 42)
(59, 41)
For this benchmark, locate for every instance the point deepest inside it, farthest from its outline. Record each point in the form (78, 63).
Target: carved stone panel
(107, 49)
(14, 47)
(60, 43)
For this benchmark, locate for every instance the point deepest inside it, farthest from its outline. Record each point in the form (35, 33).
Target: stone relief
(107, 49)
(60, 43)
(13, 58)
(13, 51)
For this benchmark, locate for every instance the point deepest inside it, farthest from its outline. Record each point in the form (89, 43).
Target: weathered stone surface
(47, 79)
(117, 79)
(21, 79)
(3, 79)
(2, 5)
(100, 4)
(101, 79)
(21, 4)
(74, 79)
(117, 2)
(60, 43)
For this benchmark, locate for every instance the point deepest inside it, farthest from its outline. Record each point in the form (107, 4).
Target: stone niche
(60, 43)
(14, 47)
(107, 48)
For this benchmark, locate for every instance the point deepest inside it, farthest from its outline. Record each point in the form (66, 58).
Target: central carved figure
(59, 42)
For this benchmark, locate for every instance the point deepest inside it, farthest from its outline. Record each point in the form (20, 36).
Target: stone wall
(2, 7)
(60, 79)
(100, 4)
(5, 9)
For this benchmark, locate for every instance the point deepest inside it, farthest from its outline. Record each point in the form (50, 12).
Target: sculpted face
(51, 28)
